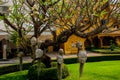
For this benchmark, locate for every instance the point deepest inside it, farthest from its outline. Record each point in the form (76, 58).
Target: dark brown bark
(31, 3)
(8, 22)
(91, 33)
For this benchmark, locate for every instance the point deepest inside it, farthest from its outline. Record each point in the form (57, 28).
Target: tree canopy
(82, 18)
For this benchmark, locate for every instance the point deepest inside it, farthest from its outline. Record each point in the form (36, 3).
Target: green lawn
(20, 75)
(105, 70)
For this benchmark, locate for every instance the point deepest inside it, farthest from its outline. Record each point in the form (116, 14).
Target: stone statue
(39, 54)
(60, 56)
(33, 41)
(82, 57)
(33, 46)
(60, 61)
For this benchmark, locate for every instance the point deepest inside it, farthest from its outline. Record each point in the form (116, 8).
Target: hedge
(46, 73)
(103, 58)
(13, 68)
(106, 51)
(111, 52)
(93, 59)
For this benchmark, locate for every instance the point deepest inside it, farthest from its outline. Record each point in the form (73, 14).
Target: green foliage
(17, 13)
(13, 68)
(112, 45)
(14, 36)
(2, 17)
(46, 73)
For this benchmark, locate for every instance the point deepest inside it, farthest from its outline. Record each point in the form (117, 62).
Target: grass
(20, 75)
(104, 70)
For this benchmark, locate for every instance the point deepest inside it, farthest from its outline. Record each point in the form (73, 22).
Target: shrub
(46, 73)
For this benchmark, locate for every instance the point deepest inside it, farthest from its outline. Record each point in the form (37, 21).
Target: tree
(83, 18)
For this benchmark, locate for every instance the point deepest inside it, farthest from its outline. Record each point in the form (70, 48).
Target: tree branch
(91, 33)
(8, 22)
(53, 3)
(31, 3)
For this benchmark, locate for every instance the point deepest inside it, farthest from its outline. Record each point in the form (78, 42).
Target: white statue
(39, 53)
(60, 56)
(82, 56)
(33, 41)
(60, 61)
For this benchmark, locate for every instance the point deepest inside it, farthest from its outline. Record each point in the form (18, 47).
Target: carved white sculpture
(60, 59)
(39, 53)
(60, 56)
(79, 45)
(33, 41)
(82, 56)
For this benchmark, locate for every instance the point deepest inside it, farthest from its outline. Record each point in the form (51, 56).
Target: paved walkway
(52, 55)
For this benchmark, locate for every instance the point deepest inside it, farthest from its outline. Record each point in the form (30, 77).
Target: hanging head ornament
(33, 41)
(79, 45)
(39, 53)
(61, 52)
